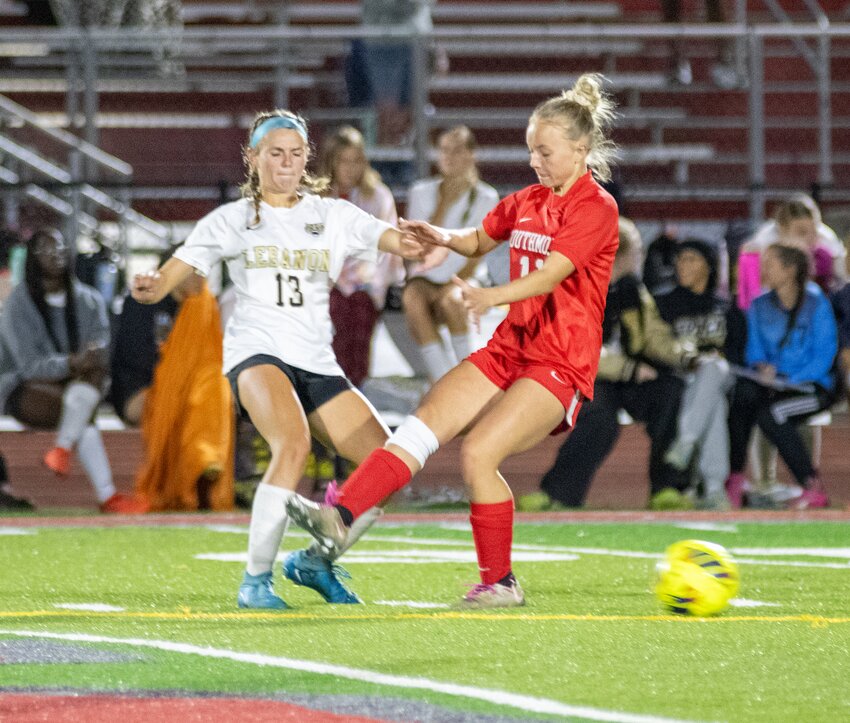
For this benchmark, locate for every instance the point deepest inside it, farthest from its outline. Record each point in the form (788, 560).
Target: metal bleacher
(175, 103)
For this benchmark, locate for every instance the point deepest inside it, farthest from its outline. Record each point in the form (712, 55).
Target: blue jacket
(809, 351)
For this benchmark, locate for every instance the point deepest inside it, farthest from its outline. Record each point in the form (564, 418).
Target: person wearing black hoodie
(716, 328)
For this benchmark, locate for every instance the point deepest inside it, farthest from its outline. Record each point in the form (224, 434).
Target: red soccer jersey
(562, 329)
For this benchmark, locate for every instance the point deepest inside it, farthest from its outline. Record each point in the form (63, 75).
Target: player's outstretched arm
(153, 286)
(541, 281)
(466, 241)
(411, 248)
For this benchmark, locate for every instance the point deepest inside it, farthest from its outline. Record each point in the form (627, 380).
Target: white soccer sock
(355, 532)
(436, 359)
(460, 344)
(92, 456)
(268, 525)
(79, 400)
(416, 438)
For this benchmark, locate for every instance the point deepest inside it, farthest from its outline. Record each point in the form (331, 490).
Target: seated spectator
(139, 333)
(169, 380)
(457, 198)
(717, 329)
(360, 292)
(637, 350)
(797, 220)
(8, 241)
(791, 348)
(54, 375)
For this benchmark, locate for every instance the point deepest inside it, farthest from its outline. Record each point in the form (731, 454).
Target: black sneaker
(10, 502)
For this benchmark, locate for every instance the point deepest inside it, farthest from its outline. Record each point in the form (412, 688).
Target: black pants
(655, 403)
(777, 415)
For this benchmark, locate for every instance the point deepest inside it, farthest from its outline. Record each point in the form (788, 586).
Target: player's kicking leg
(351, 426)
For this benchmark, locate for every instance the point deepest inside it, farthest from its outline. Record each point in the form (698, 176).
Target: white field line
(521, 553)
(410, 604)
(498, 697)
(706, 526)
(422, 556)
(235, 529)
(17, 531)
(742, 602)
(807, 551)
(92, 607)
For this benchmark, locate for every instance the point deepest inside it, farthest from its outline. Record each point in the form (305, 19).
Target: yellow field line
(187, 614)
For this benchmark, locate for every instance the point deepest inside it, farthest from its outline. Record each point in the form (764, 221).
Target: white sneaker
(493, 596)
(782, 493)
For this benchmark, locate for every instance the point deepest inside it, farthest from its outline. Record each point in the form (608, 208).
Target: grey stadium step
(538, 82)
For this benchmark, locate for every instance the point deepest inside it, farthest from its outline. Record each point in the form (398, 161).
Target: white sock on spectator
(460, 344)
(268, 525)
(79, 400)
(436, 359)
(92, 456)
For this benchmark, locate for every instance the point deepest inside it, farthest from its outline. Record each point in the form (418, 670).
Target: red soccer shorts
(503, 372)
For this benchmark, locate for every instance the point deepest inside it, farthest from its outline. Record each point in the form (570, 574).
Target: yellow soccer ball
(696, 578)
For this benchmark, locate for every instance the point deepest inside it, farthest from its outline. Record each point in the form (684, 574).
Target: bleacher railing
(72, 178)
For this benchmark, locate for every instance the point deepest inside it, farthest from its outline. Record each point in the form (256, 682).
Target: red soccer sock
(380, 474)
(492, 530)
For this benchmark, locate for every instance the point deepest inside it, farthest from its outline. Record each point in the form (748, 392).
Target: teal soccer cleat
(320, 575)
(256, 593)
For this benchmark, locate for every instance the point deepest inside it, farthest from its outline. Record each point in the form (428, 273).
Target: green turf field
(591, 644)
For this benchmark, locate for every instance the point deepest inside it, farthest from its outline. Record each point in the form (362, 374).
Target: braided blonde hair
(250, 188)
(584, 110)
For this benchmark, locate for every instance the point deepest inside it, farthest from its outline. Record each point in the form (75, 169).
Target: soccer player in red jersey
(530, 379)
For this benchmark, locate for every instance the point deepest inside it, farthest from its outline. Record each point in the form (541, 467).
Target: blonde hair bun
(585, 110)
(587, 91)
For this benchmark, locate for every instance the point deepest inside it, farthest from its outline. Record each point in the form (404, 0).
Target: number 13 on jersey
(289, 291)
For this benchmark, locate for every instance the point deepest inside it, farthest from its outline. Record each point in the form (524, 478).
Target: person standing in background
(380, 68)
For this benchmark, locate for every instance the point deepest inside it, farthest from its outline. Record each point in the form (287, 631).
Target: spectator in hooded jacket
(702, 319)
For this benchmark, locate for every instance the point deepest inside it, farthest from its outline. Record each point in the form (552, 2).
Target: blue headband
(274, 123)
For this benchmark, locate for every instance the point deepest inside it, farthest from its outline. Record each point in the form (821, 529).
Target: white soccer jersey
(283, 270)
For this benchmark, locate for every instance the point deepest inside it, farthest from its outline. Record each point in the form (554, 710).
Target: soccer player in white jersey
(284, 247)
